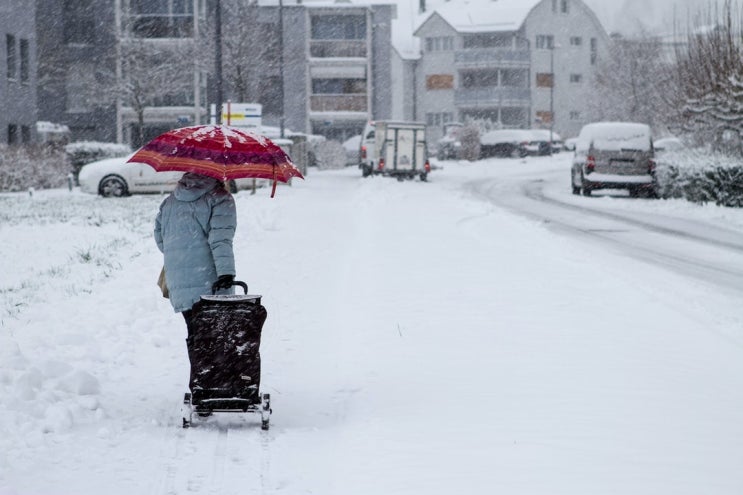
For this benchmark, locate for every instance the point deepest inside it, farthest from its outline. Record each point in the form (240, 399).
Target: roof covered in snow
(476, 16)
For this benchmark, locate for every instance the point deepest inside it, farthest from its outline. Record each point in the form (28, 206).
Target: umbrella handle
(273, 189)
(236, 282)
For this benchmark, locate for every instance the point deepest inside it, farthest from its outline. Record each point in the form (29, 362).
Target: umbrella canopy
(218, 151)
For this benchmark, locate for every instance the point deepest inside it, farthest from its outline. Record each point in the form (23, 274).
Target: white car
(115, 177)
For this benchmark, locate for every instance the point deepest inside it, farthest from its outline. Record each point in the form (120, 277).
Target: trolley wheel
(265, 411)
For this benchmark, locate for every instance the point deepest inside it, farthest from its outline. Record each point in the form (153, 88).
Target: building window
(490, 40)
(439, 118)
(574, 115)
(545, 80)
(545, 41)
(269, 90)
(594, 50)
(564, 6)
(10, 56)
(78, 83)
(23, 46)
(338, 27)
(439, 81)
(439, 44)
(576, 78)
(78, 19)
(515, 78)
(338, 86)
(161, 18)
(479, 78)
(544, 117)
(576, 41)
(12, 134)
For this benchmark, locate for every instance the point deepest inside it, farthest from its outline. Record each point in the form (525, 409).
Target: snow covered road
(421, 338)
(658, 234)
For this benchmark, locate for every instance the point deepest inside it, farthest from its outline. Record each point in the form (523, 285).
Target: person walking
(194, 230)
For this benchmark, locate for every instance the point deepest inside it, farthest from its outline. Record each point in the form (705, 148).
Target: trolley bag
(224, 349)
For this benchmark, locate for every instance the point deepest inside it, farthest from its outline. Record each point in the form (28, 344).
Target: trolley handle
(234, 283)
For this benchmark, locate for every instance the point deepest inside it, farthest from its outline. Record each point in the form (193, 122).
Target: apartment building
(114, 70)
(520, 63)
(327, 71)
(17, 73)
(127, 70)
(349, 68)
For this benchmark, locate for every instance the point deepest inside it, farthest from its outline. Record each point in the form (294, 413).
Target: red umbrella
(218, 151)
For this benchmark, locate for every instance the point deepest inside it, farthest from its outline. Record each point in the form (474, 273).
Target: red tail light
(363, 152)
(427, 166)
(591, 163)
(381, 163)
(651, 166)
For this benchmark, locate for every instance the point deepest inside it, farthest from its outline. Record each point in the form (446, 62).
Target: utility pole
(218, 59)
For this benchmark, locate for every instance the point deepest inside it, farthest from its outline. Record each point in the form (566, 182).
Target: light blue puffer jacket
(194, 230)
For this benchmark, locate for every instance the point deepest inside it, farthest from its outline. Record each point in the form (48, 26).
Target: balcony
(338, 48)
(338, 103)
(494, 57)
(493, 97)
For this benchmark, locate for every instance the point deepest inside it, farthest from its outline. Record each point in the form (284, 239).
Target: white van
(394, 148)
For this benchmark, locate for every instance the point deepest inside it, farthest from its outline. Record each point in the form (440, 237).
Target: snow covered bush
(82, 152)
(701, 177)
(469, 136)
(330, 155)
(38, 167)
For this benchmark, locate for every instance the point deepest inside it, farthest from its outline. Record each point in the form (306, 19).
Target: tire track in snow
(645, 240)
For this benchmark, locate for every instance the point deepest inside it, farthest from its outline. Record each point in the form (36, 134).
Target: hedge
(701, 176)
(38, 167)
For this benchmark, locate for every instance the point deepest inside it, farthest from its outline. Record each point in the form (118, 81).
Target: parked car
(115, 177)
(505, 143)
(540, 143)
(614, 155)
(569, 144)
(449, 146)
(352, 146)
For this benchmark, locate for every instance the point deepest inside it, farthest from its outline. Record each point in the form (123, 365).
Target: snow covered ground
(420, 340)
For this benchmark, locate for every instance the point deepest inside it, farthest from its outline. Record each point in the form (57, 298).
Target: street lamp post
(281, 66)
(552, 92)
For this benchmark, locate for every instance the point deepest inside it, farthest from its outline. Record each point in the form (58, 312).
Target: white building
(523, 63)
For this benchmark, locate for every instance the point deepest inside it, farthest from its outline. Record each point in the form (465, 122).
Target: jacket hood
(192, 186)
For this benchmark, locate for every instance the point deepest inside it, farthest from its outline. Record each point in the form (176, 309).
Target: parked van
(394, 148)
(614, 155)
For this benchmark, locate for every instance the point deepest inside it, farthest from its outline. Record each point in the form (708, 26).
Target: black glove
(223, 282)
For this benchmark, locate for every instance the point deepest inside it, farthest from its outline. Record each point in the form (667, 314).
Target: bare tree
(155, 74)
(711, 76)
(636, 83)
(250, 46)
